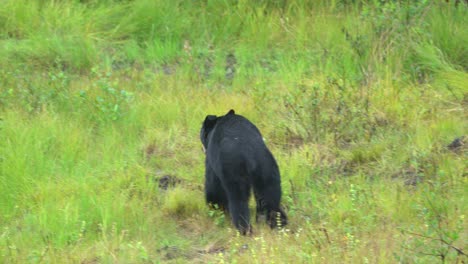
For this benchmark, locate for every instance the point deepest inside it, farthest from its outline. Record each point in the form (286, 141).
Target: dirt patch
(230, 68)
(172, 252)
(410, 175)
(167, 181)
(458, 145)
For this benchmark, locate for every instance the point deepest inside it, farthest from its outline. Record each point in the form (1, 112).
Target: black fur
(238, 160)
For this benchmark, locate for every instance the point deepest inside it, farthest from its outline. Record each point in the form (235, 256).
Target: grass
(357, 100)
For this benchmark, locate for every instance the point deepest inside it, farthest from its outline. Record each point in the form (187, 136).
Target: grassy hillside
(101, 103)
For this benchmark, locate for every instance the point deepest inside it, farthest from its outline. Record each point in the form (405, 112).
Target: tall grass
(358, 101)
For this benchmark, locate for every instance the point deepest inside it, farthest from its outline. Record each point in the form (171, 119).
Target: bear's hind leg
(238, 196)
(268, 198)
(214, 192)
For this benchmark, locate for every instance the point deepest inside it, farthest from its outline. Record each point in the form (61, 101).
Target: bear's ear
(231, 112)
(210, 121)
(207, 127)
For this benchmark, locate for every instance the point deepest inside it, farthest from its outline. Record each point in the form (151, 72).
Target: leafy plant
(217, 214)
(109, 102)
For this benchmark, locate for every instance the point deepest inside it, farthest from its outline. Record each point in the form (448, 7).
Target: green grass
(357, 100)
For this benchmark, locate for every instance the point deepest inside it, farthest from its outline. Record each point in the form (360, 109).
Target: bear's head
(208, 126)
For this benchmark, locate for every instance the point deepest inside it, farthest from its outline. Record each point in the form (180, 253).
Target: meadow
(363, 104)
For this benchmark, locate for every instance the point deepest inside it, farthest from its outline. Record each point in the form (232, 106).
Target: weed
(440, 233)
(218, 215)
(110, 102)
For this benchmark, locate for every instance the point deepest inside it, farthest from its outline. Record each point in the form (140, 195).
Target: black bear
(237, 159)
